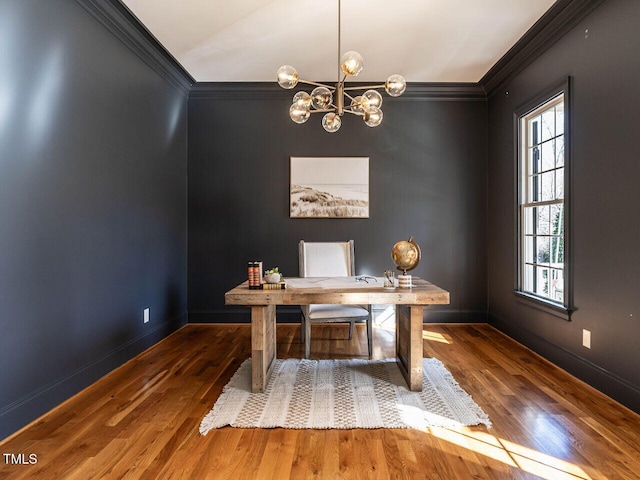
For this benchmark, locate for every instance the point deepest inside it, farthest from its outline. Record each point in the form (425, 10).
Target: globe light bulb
(356, 105)
(321, 98)
(298, 113)
(373, 116)
(351, 63)
(287, 77)
(331, 122)
(395, 85)
(302, 99)
(371, 99)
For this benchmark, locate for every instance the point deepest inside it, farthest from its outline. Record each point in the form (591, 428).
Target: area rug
(343, 394)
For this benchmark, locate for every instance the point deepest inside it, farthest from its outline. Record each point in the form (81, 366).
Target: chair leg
(302, 328)
(351, 325)
(307, 338)
(370, 334)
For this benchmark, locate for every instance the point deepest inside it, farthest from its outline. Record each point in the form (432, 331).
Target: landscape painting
(329, 187)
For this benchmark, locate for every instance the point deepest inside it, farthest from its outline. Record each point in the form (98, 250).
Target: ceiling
(423, 40)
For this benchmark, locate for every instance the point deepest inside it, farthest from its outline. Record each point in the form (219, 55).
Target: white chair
(330, 259)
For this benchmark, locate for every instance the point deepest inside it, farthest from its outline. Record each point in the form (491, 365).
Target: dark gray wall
(92, 205)
(601, 56)
(427, 179)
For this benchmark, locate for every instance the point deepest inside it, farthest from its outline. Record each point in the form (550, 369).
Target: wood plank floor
(141, 421)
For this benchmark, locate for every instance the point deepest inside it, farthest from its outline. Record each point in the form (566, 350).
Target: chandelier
(335, 101)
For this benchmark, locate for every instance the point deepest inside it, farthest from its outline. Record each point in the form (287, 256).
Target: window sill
(557, 310)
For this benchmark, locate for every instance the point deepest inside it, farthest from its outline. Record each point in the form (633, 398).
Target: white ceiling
(423, 40)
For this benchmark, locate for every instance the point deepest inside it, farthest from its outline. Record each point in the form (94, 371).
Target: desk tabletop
(339, 290)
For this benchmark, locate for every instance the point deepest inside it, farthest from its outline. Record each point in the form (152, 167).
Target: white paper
(335, 282)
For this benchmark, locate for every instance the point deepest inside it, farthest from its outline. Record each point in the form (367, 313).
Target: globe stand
(404, 281)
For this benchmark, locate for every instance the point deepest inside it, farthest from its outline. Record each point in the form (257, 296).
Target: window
(542, 211)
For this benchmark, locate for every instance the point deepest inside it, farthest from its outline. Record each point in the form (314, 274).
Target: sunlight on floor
(386, 320)
(435, 337)
(512, 454)
(516, 456)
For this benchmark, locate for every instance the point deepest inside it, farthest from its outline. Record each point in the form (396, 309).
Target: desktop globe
(406, 255)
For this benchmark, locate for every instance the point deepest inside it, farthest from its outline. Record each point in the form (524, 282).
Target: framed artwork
(329, 187)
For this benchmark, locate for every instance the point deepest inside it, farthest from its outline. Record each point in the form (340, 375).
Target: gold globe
(406, 255)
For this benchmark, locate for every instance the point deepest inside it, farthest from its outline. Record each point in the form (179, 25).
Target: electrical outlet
(146, 316)
(586, 338)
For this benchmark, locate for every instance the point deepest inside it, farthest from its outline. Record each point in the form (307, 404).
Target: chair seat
(330, 259)
(336, 311)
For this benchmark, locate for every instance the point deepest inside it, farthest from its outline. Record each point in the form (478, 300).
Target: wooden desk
(314, 290)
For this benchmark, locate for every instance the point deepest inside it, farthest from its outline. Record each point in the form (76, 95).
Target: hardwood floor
(141, 421)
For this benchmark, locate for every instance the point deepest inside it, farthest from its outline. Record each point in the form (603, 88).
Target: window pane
(542, 282)
(547, 186)
(548, 125)
(529, 249)
(543, 250)
(556, 285)
(556, 253)
(560, 183)
(560, 119)
(529, 276)
(556, 219)
(543, 221)
(533, 160)
(530, 214)
(560, 152)
(557, 240)
(548, 155)
(535, 192)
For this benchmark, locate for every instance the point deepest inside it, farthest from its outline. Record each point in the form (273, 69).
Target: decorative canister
(404, 281)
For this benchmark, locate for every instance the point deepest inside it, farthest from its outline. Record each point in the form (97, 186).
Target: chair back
(326, 259)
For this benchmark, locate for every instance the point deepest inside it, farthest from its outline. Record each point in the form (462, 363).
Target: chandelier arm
(316, 84)
(348, 96)
(366, 87)
(323, 110)
(348, 110)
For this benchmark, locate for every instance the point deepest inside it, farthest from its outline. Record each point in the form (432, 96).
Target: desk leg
(409, 344)
(263, 345)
